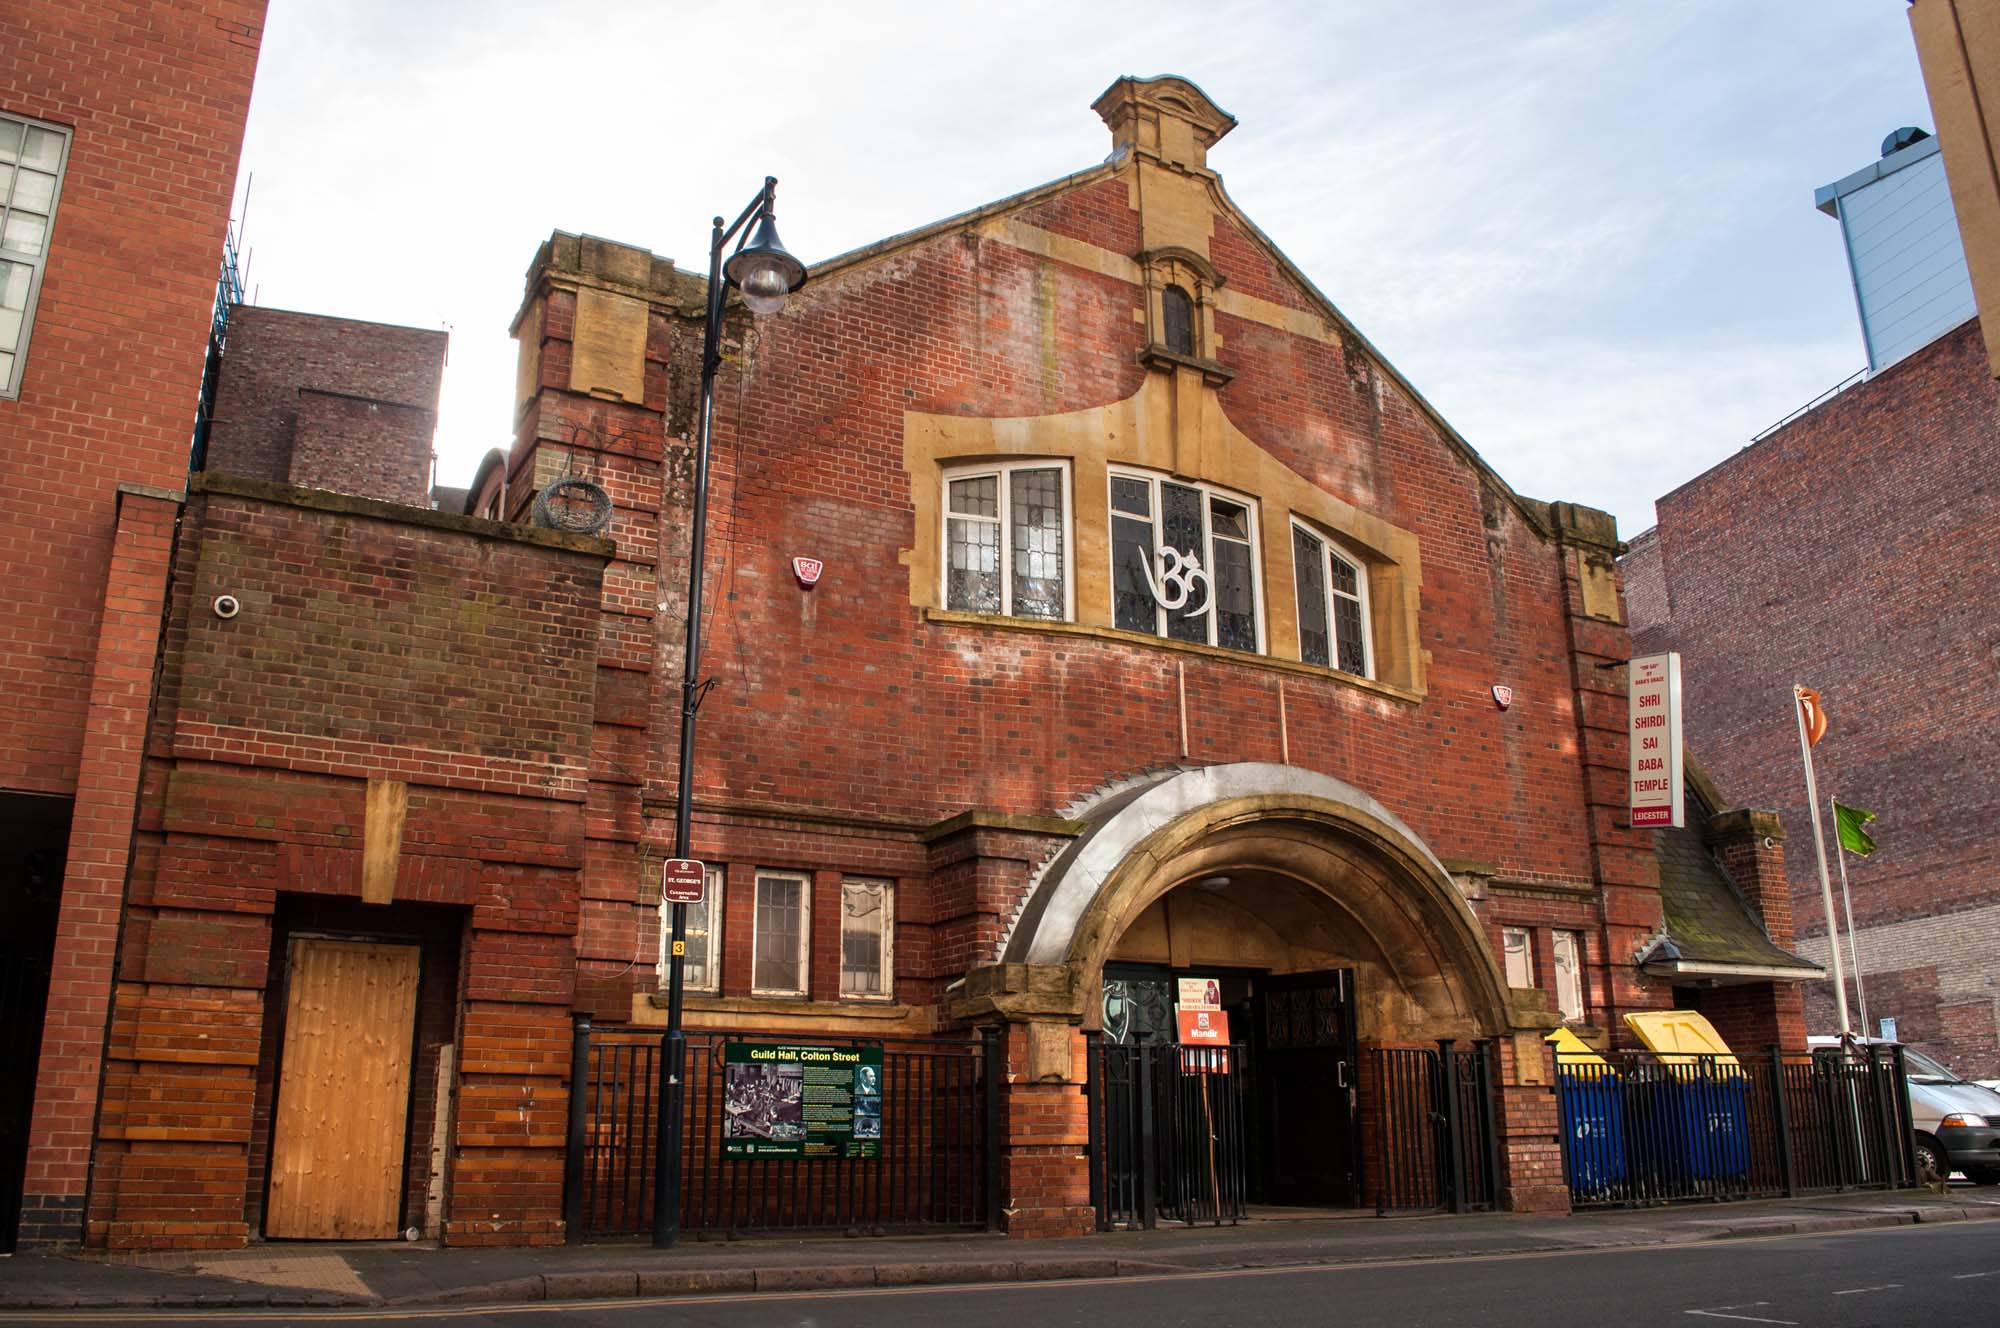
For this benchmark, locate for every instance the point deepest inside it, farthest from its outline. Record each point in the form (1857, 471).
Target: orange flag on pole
(1810, 715)
(1814, 714)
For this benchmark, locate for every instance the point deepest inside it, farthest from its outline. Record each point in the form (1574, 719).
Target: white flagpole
(1825, 881)
(1847, 909)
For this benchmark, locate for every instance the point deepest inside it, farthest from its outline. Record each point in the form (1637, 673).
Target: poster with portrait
(801, 1101)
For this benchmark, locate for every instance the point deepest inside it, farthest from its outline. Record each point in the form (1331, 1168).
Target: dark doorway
(1291, 1065)
(34, 839)
(1306, 1088)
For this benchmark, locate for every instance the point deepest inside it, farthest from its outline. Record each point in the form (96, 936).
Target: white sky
(1583, 230)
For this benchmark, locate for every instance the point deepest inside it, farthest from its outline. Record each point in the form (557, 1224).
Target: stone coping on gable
(322, 500)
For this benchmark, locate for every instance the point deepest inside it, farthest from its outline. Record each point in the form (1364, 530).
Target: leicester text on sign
(1653, 707)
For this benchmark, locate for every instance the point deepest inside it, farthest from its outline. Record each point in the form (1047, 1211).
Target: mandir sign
(1653, 725)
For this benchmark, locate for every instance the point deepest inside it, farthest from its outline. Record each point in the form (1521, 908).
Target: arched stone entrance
(1272, 879)
(1270, 866)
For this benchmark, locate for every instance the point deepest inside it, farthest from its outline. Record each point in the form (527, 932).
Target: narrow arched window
(1177, 315)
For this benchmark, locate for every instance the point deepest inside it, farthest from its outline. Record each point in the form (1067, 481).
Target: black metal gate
(1167, 1136)
(1434, 1147)
(936, 1168)
(1642, 1129)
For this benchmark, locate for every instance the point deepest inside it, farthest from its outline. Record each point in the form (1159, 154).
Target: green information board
(801, 1101)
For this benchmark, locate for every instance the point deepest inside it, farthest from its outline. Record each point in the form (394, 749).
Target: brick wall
(113, 364)
(846, 699)
(846, 728)
(328, 403)
(356, 445)
(366, 643)
(99, 856)
(374, 642)
(1929, 974)
(1646, 594)
(1834, 553)
(111, 373)
(1023, 723)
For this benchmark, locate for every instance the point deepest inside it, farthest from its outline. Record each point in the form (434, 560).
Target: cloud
(1617, 427)
(1576, 229)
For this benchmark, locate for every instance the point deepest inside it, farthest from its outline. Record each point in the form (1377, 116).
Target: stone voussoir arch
(1320, 831)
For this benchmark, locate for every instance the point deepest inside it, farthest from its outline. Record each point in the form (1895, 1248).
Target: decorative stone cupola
(1168, 125)
(1166, 118)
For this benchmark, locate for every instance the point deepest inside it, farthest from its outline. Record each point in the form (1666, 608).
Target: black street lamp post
(765, 274)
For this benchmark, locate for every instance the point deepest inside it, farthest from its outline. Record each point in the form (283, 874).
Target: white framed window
(1184, 561)
(867, 936)
(1333, 604)
(32, 158)
(1007, 540)
(1518, 956)
(781, 931)
(702, 969)
(1568, 950)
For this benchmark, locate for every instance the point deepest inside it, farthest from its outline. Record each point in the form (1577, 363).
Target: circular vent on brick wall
(575, 505)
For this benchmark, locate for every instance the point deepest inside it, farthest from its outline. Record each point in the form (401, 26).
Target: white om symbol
(1180, 573)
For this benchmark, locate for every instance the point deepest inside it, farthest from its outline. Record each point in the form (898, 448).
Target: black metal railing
(1644, 1129)
(1430, 1112)
(1167, 1133)
(936, 1167)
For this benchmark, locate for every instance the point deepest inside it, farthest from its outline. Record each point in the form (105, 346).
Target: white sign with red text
(1653, 706)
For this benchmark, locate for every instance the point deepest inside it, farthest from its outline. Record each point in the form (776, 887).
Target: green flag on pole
(1853, 836)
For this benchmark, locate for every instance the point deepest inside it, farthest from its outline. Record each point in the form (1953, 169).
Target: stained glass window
(1132, 542)
(1332, 593)
(1174, 541)
(1006, 536)
(1036, 498)
(867, 919)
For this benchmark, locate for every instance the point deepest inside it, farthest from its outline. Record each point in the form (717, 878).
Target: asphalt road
(1936, 1277)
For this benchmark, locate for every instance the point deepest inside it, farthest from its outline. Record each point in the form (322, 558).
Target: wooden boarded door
(343, 1091)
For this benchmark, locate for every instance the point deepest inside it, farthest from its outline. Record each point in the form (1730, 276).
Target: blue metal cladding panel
(1908, 261)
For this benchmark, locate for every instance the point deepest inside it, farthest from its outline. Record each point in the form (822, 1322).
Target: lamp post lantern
(765, 274)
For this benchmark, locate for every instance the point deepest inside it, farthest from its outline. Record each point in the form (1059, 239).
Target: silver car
(1957, 1121)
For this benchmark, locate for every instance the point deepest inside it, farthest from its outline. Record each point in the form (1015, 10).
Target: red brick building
(1837, 552)
(346, 952)
(999, 767)
(328, 403)
(1165, 632)
(119, 133)
(1844, 550)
